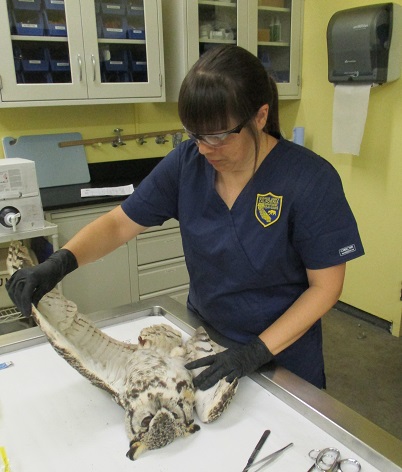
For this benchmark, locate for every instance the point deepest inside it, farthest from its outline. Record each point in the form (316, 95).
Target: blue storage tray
(54, 4)
(135, 8)
(28, 23)
(58, 62)
(135, 33)
(138, 66)
(53, 24)
(114, 27)
(113, 8)
(27, 5)
(118, 61)
(35, 63)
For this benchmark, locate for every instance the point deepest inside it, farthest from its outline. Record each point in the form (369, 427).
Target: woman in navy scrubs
(266, 227)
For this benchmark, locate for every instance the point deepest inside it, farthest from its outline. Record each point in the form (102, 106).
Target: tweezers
(267, 460)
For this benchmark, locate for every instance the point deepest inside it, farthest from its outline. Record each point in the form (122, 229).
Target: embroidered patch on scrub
(268, 208)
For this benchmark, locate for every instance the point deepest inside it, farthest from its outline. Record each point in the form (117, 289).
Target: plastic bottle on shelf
(277, 29)
(272, 30)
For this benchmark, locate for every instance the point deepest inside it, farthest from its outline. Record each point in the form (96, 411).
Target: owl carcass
(147, 379)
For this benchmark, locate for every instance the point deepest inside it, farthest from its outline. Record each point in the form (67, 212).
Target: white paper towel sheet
(349, 117)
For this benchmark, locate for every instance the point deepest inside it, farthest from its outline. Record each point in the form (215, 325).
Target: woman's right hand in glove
(27, 286)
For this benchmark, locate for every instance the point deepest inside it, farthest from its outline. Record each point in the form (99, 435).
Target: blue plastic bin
(54, 4)
(35, 59)
(139, 66)
(28, 23)
(134, 32)
(117, 7)
(33, 5)
(135, 8)
(58, 60)
(118, 61)
(114, 27)
(55, 23)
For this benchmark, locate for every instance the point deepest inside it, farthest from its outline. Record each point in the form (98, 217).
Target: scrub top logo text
(268, 208)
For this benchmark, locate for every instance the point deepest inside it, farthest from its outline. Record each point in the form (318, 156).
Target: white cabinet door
(57, 52)
(102, 284)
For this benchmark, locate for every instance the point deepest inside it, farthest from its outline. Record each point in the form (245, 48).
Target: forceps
(329, 460)
(267, 460)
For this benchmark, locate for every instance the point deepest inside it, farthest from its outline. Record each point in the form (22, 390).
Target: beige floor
(364, 369)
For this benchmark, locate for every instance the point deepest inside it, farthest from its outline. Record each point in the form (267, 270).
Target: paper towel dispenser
(365, 44)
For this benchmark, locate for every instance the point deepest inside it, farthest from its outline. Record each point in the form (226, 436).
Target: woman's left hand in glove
(232, 363)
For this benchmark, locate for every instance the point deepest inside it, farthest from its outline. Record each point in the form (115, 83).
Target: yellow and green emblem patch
(268, 208)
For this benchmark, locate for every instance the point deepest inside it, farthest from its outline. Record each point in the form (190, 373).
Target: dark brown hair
(227, 82)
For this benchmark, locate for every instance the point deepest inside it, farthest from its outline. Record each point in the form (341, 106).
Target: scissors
(329, 460)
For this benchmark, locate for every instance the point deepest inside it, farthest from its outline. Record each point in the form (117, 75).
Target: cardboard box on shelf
(264, 35)
(272, 3)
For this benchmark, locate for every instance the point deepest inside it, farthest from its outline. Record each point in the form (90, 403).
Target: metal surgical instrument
(329, 460)
(267, 460)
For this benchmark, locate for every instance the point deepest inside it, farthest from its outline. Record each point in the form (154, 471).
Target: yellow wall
(95, 122)
(372, 181)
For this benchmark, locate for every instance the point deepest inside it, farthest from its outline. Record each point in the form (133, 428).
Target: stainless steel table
(54, 419)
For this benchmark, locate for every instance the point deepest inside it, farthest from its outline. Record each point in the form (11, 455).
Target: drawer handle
(93, 66)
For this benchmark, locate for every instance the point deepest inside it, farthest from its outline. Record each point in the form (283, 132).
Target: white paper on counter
(107, 191)
(349, 117)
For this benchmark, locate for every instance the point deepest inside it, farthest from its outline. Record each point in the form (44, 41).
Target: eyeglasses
(216, 139)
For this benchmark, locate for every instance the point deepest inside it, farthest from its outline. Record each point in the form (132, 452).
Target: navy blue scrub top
(247, 264)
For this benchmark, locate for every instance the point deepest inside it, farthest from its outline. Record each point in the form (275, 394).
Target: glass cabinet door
(216, 22)
(37, 50)
(276, 40)
(80, 49)
(122, 48)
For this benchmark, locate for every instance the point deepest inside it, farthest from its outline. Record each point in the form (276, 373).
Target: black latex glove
(232, 363)
(27, 286)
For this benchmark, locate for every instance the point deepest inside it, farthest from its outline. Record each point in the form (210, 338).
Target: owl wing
(211, 403)
(97, 356)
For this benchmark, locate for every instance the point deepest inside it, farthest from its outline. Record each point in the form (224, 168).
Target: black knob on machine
(10, 217)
